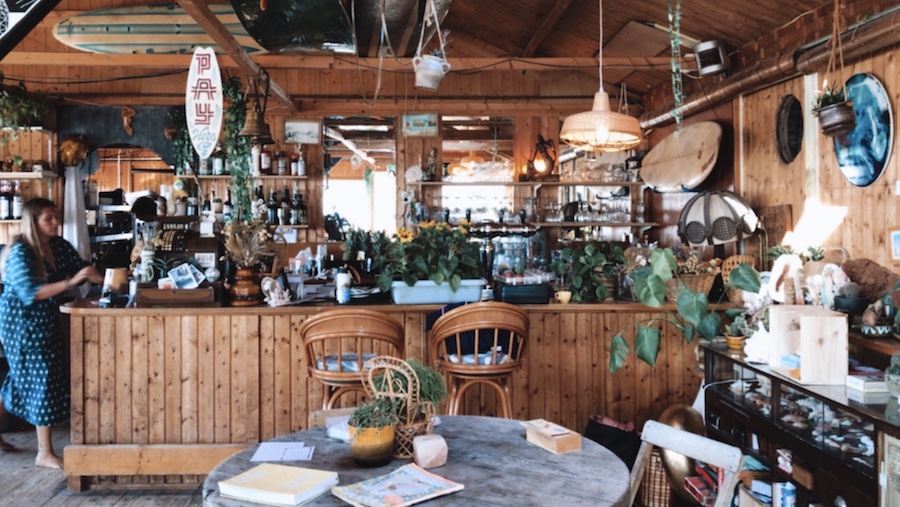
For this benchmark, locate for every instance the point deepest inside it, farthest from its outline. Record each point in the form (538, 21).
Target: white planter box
(428, 292)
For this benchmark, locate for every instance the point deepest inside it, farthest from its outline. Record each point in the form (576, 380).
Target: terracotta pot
(245, 290)
(372, 447)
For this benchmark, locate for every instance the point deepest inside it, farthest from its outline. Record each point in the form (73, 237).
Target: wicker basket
(697, 283)
(404, 434)
(655, 490)
(735, 295)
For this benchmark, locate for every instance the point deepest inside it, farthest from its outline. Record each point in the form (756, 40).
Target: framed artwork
(863, 153)
(303, 131)
(894, 242)
(420, 125)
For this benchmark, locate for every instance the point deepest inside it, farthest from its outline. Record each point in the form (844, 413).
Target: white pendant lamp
(601, 129)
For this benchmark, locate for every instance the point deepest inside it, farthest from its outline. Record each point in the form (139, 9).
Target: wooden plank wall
(871, 210)
(240, 377)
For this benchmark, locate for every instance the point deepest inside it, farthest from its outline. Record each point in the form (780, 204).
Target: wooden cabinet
(836, 443)
(31, 184)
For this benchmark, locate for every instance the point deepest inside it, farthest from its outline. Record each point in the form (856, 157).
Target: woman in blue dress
(37, 267)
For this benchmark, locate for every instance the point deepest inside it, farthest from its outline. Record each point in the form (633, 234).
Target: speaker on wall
(711, 58)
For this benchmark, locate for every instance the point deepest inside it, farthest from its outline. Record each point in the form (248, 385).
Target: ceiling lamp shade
(471, 160)
(715, 218)
(600, 129)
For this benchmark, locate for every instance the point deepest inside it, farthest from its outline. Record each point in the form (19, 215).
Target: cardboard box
(817, 335)
(746, 499)
(552, 437)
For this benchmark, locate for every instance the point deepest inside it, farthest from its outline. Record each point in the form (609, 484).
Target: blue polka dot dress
(37, 385)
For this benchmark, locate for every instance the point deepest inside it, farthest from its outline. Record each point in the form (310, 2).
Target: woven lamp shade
(601, 129)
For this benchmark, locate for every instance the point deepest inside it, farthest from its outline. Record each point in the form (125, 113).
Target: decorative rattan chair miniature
(390, 377)
(734, 294)
(338, 342)
(480, 343)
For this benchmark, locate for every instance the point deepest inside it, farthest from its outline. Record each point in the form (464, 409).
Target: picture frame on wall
(420, 125)
(303, 131)
(894, 242)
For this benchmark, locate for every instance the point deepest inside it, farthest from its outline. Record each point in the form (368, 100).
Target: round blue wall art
(863, 153)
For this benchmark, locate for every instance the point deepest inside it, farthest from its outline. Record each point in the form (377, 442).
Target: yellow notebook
(273, 484)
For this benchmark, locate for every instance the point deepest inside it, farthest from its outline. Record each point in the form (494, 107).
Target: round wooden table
(489, 456)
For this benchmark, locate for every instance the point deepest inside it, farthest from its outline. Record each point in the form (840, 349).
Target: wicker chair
(338, 342)
(480, 343)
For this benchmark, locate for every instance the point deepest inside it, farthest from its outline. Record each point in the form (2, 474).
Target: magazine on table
(407, 485)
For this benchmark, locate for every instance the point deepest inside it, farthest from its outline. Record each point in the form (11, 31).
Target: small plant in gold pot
(372, 431)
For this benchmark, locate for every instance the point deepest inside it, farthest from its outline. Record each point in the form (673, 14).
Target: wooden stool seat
(480, 343)
(338, 343)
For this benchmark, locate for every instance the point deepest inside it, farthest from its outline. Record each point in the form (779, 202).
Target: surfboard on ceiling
(149, 28)
(683, 159)
(297, 25)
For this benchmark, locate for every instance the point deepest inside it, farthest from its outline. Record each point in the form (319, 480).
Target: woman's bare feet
(47, 459)
(6, 446)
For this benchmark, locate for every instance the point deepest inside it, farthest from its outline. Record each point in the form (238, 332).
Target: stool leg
(453, 406)
(503, 396)
(326, 397)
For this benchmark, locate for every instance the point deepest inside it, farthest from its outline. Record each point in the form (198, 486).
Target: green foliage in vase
(438, 252)
(377, 413)
(692, 316)
(814, 254)
(237, 147)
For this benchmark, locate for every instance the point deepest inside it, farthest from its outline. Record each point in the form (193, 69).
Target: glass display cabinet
(834, 448)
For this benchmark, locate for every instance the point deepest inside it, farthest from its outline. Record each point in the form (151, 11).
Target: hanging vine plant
(237, 147)
(18, 110)
(182, 148)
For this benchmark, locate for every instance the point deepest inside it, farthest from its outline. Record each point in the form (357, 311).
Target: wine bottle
(273, 207)
(227, 206)
(295, 208)
(17, 202)
(304, 217)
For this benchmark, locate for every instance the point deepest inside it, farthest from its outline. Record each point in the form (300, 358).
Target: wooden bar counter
(161, 395)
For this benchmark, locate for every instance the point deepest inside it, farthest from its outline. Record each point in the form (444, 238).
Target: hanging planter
(430, 69)
(836, 116)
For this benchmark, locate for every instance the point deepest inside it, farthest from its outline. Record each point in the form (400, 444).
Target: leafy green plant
(739, 326)
(237, 147)
(586, 267)
(377, 413)
(692, 315)
(439, 252)
(774, 252)
(829, 97)
(894, 368)
(431, 383)
(355, 241)
(814, 254)
(18, 110)
(182, 148)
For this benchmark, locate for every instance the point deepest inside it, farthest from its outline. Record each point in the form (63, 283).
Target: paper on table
(283, 451)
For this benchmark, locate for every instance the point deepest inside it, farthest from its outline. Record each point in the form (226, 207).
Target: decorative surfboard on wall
(683, 159)
(289, 25)
(150, 28)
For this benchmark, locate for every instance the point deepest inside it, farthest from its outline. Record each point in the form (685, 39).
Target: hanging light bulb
(471, 160)
(601, 129)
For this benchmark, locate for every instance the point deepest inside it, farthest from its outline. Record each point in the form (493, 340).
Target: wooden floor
(24, 485)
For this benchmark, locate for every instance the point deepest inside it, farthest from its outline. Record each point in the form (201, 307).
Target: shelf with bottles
(630, 225)
(528, 184)
(28, 175)
(260, 177)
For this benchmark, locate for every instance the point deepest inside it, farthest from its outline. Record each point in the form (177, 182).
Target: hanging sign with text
(203, 101)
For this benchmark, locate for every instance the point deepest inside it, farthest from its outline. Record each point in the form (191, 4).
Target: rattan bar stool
(338, 342)
(480, 343)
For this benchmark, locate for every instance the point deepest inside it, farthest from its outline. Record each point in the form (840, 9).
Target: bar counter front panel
(163, 395)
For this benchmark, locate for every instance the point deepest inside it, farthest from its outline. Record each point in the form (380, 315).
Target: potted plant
(835, 113)
(892, 376)
(736, 332)
(588, 270)
(371, 428)
(692, 315)
(432, 265)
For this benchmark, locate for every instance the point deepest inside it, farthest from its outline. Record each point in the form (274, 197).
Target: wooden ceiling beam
(215, 29)
(547, 25)
(309, 62)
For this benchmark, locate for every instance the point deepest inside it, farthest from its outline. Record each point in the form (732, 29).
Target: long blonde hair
(29, 235)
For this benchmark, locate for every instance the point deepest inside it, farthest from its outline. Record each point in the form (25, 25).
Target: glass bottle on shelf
(17, 201)
(218, 162)
(227, 206)
(265, 162)
(281, 164)
(304, 216)
(295, 207)
(295, 161)
(285, 207)
(272, 207)
(207, 206)
(301, 162)
(5, 201)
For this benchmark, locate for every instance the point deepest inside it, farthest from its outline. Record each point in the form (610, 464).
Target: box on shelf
(818, 336)
(529, 294)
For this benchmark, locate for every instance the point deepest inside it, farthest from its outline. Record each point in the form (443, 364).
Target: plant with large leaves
(692, 315)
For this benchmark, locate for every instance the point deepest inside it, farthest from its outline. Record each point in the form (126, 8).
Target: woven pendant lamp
(601, 129)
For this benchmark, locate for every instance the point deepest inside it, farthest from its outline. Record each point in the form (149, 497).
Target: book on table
(867, 383)
(273, 484)
(407, 485)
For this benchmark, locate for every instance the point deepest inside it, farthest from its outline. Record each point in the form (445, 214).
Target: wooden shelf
(260, 177)
(294, 226)
(594, 224)
(30, 175)
(528, 183)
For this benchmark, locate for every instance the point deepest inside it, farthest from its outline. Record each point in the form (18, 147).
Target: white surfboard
(683, 159)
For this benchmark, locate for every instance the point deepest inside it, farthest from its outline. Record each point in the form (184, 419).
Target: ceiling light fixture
(601, 129)
(471, 160)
